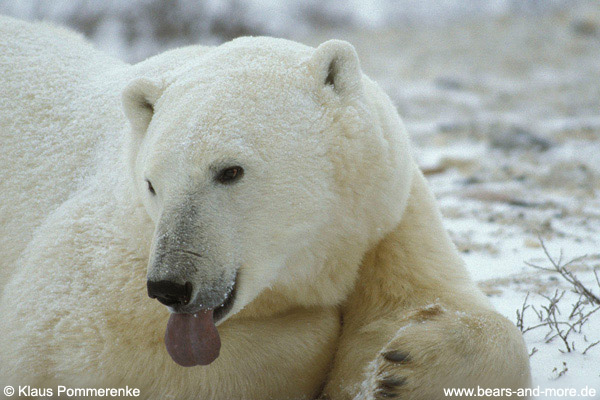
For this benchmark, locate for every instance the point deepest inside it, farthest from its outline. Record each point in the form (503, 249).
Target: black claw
(396, 356)
(391, 382)
(386, 395)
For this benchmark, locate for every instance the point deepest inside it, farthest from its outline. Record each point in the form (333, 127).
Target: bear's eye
(230, 174)
(150, 187)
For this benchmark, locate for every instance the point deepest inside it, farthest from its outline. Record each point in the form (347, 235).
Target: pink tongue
(192, 339)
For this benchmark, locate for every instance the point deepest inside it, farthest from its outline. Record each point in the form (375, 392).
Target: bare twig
(590, 346)
(549, 314)
(562, 372)
(568, 275)
(533, 351)
(521, 313)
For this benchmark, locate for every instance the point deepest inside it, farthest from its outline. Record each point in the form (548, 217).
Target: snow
(502, 99)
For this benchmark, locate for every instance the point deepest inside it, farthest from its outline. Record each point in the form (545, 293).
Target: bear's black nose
(170, 293)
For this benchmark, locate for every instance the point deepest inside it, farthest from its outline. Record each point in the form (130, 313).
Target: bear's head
(260, 161)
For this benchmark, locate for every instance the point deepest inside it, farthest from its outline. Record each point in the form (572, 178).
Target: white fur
(328, 181)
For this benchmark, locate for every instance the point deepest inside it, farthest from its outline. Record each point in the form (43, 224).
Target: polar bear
(262, 193)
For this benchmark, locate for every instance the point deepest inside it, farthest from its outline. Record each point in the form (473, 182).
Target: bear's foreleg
(416, 324)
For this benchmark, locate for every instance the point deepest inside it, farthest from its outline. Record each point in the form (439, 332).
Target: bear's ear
(139, 98)
(336, 65)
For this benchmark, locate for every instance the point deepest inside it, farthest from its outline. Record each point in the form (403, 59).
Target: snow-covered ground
(502, 99)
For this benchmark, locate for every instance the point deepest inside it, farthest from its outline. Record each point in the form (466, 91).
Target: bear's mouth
(192, 338)
(221, 311)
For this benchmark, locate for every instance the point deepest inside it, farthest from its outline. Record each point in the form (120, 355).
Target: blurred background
(502, 101)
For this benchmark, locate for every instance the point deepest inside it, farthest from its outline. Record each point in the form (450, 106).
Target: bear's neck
(417, 263)
(415, 260)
